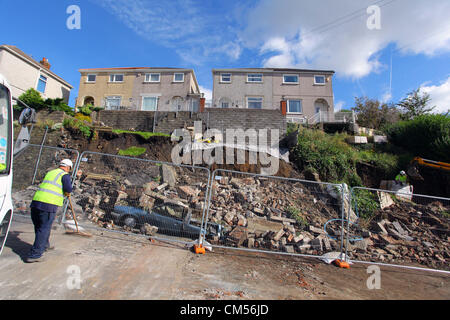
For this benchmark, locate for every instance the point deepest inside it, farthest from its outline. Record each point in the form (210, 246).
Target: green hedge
(426, 136)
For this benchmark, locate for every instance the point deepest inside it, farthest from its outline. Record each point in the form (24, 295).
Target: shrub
(365, 202)
(79, 126)
(32, 98)
(295, 213)
(427, 136)
(83, 117)
(329, 155)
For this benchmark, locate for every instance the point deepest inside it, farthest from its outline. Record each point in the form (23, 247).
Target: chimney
(45, 63)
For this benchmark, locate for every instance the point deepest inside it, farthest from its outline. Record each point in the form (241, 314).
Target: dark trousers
(42, 221)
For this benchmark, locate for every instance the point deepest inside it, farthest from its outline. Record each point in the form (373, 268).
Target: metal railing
(245, 211)
(274, 214)
(143, 197)
(398, 228)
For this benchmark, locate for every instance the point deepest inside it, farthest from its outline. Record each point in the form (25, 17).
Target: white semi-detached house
(23, 73)
(306, 93)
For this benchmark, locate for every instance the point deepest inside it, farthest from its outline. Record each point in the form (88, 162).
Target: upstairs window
(319, 80)
(225, 77)
(178, 77)
(254, 77)
(152, 77)
(42, 84)
(91, 78)
(290, 78)
(116, 78)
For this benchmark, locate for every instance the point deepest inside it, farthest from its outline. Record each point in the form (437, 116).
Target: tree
(415, 104)
(374, 114)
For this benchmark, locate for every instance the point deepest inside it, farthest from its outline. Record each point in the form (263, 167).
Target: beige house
(308, 93)
(139, 89)
(23, 73)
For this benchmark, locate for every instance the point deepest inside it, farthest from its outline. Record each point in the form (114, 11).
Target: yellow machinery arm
(431, 163)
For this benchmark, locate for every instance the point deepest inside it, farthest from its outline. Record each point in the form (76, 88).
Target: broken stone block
(399, 228)
(326, 243)
(187, 192)
(146, 202)
(385, 200)
(289, 249)
(150, 230)
(316, 244)
(258, 211)
(150, 186)
(304, 248)
(229, 217)
(161, 187)
(242, 221)
(238, 235)
(380, 228)
(316, 230)
(278, 235)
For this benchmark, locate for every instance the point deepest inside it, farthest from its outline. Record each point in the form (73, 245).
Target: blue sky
(206, 34)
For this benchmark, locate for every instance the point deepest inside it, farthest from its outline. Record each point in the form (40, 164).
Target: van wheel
(130, 222)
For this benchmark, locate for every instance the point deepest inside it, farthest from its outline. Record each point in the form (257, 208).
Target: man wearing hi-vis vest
(46, 201)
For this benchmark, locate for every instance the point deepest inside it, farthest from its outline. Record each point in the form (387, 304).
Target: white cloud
(184, 25)
(287, 29)
(207, 92)
(387, 96)
(440, 96)
(339, 105)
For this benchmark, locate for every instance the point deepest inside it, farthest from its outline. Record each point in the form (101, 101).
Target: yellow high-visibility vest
(50, 190)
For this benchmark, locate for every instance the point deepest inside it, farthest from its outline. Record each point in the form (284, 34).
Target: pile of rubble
(406, 233)
(275, 214)
(269, 214)
(98, 194)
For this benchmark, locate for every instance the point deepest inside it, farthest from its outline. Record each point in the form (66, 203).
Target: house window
(225, 105)
(178, 77)
(254, 102)
(149, 103)
(225, 77)
(116, 78)
(319, 80)
(294, 106)
(290, 78)
(113, 103)
(91, 78)
(42, 84)
(152, 77)
(253, 77)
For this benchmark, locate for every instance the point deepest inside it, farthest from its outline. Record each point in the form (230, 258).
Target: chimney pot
(45, 63)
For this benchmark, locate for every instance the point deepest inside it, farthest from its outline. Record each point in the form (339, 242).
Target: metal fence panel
(275, 214)
(29, 169)
(137, 196)
(399, 228)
